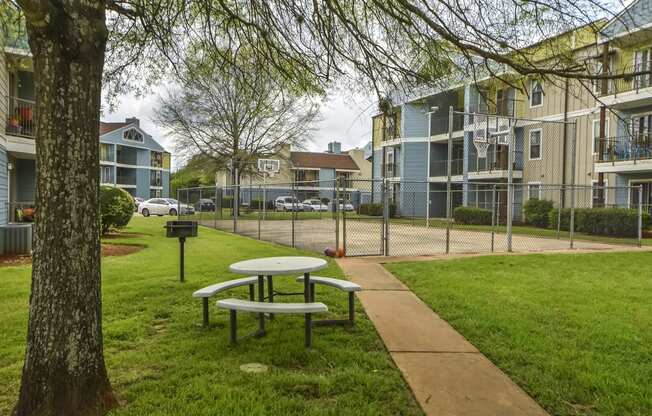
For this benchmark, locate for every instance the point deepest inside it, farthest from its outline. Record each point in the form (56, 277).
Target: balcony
(127, 156)
(392, 170)
(630, 91)
(495, 165)
(21, 119)
(440, 167)
(630, 153)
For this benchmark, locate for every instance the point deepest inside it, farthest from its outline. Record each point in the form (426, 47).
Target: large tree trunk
(64, 371)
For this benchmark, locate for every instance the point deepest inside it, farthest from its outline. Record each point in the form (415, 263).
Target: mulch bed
(108, 250)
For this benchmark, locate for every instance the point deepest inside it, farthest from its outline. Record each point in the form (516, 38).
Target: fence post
(236, 200)
(448, 178)
(344, 220)
(510, 188)
(386, 216)
(259, 208)
(640, 215)
(201, 211)
(215, 207)
(571, 224)
(493, 216)
(294, 197)
(562, 192)
(336, 204)
(573, 165)
(178, 204)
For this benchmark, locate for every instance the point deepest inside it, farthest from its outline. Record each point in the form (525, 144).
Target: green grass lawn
(162, 362)
(574, 330)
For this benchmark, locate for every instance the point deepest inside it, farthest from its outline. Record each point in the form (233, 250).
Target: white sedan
(164, 206)
(314, 205)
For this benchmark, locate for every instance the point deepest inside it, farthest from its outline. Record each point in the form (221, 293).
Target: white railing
(21, 117)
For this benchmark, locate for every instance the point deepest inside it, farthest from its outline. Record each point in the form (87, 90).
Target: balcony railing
(629, 83)
(126, 180)
(392, 170)
(440, 167)
(21, 117)
(630, 147)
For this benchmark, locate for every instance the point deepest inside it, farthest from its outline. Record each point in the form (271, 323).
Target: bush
(227, 202)
(376, 209)
(470, 215)
(258, 204)
(612, 222)
(116, 208)
(536, 212)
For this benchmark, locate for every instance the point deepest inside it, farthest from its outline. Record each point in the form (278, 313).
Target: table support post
(205, 310)
(308, 317)
(234, 327)
(270, 293)
(351, 308)
(182, 241)
(261, 296)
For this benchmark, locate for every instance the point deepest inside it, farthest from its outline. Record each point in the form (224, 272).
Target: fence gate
(362, 229)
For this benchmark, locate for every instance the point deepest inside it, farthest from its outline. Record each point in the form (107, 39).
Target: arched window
(133, 135)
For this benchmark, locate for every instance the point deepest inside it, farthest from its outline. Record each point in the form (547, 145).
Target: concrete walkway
(447, 374)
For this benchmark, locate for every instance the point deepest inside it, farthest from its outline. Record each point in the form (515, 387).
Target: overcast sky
(344, 118)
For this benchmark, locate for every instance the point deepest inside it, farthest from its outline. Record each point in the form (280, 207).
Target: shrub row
(472, 215)
(258, 204)
(537, 212)
(376, 209)
(616, 222)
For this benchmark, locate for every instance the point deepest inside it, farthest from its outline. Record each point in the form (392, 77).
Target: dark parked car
(205, 205)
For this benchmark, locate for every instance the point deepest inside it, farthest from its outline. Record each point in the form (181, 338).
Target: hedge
(536, 212)
(376, 209)
(613, 222)
(471, 215)
(116, 208)
(258, 204)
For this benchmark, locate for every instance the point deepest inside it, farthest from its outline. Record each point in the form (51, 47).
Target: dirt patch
(108, 250)
(120, 249)
(14, 260)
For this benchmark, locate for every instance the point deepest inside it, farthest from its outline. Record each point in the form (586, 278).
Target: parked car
(205, 205)
(287, 203)
(343, 205)
(137, 201)
(314, 205)
(164, 206)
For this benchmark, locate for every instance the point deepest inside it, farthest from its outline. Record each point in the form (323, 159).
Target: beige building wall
(365, 166)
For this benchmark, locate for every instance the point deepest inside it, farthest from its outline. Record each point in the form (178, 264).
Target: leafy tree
(235, 112)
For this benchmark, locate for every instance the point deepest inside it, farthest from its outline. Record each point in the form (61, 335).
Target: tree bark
(64, 371)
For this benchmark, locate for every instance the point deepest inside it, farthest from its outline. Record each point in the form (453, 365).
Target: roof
(341, 161)
(109, 127)
(635, 16)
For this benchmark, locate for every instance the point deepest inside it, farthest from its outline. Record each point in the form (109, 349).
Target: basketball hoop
(481, 145)
(269, 167)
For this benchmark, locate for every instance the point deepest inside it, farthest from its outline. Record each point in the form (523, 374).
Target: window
(105, 152)
(106, 174)
(504, 102)
(154, 193)
(156, 159)
(596, 135)
(534, 190)
(598, 194)
(536, 95)
(390, 127)
(535, 144)
(155, 178)
(642, 63)
(133, 135)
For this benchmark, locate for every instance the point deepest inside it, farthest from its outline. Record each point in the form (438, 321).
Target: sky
(345, 117)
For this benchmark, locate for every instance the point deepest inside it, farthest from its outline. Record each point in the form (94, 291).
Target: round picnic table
(273, 266)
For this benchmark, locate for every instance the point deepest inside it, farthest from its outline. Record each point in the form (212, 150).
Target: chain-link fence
(492, 183)
(382, 217)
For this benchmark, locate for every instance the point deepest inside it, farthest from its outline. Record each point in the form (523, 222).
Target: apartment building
(130, 158)
(607, 124)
